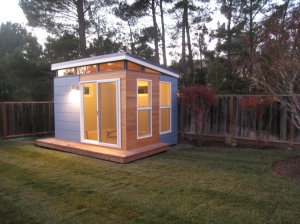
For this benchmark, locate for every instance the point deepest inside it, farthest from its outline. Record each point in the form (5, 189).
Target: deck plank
(100, 152)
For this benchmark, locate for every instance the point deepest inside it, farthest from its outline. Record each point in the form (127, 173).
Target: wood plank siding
(121, 74)
(128, 85)
(131, 102)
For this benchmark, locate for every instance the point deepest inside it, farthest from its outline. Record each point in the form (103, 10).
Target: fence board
(225, 117)
(26, 118)
(228, 117)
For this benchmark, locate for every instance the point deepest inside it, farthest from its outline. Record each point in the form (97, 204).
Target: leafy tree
(252, 10)
(277, 64)
(198, 100)
(20, 66)
(101, 46)
(190, 18)
(74, 17)
(62, 48)
(141, 37)
(219, 78)
(184, 6)
(130, 14)
(228, 33)
(242, 23)
(201, 43)
(107, 39)
(257, 106)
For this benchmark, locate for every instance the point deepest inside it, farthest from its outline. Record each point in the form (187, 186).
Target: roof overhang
(111, 58)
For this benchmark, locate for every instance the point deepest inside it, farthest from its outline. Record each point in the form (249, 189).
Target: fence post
(4, 120)
(49, 116)
(182, 118)
(231, 109)
(292, 131)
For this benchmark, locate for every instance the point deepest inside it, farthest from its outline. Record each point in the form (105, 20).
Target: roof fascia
(154, 67)
(84, 62)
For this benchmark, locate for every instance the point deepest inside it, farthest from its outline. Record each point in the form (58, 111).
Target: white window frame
(118, 106)
(165, 107)
(143, 108)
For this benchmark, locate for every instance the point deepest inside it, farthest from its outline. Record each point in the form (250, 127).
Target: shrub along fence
(228, 117)
(19, 119)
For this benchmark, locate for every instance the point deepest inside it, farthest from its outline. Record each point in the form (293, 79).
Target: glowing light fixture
(74, 87)
(74, 96)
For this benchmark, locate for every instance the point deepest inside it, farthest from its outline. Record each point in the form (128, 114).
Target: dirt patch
(289, 168)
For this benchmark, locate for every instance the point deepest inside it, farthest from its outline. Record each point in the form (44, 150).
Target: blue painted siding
(172, 137)
(66, 109)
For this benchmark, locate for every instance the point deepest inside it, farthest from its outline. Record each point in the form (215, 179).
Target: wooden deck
(110, 154)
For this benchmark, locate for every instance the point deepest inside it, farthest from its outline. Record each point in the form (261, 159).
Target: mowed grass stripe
(195, 185)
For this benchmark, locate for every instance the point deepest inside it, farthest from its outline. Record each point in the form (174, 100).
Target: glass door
(108, 112)
(101, 115)
(90, 111)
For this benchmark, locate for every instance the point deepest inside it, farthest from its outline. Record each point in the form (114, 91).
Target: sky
(10, 11)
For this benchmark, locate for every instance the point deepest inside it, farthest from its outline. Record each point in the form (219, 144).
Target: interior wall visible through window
(134, 66)
(110, 66)
(165, 107)
(151, 70)
(65, 72)
(86, 69)
(144, 108)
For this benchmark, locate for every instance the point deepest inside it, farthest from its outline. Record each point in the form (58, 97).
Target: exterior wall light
(74, 87)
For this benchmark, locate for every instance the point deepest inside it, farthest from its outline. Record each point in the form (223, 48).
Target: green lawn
(194, 185)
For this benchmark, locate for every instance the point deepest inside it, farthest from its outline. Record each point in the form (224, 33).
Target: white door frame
(118, 107)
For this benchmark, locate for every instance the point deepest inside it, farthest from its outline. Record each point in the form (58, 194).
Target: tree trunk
(251, 39)
(132, 44)
(156, 32)
(163, 34)
(190, 61)
(183, 59)
(229, 36)
(81, 27)
(200, 52)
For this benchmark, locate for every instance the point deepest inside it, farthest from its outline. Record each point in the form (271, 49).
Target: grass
(194, 185)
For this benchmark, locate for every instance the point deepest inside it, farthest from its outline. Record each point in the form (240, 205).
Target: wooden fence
(19, 119)
(228, 118)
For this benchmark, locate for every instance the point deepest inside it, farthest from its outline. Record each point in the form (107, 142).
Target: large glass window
(110, 66)
(151, 70)
(144, 108)
(134, 66)
(86, 69)
(65, 72)
(165, 107)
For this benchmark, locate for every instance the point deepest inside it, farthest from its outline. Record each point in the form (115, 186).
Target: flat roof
(113, 57)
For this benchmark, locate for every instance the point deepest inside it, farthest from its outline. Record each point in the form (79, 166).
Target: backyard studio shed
(116, 107)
